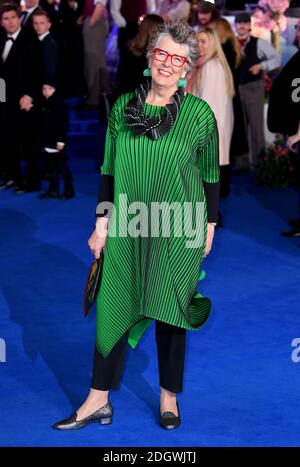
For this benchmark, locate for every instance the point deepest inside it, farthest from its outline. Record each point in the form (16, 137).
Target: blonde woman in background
(212, 81)
(234, 55)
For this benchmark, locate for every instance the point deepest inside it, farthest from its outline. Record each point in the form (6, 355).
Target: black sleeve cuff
(106, 192)
(212, 195)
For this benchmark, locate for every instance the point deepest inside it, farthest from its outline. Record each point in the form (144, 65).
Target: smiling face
(203, 43)
(166, 73)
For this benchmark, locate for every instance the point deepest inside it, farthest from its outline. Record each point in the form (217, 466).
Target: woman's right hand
(97, 240)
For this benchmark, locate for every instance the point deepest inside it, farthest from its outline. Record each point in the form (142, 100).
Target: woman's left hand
(209, 238)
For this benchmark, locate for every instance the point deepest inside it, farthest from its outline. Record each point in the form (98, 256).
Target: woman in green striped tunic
(161, 171)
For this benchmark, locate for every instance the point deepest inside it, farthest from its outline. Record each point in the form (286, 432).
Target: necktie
(24, 17)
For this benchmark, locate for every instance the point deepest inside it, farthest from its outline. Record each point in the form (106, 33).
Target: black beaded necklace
(153, 127)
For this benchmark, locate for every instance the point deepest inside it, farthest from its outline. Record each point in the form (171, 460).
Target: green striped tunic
(148, 277)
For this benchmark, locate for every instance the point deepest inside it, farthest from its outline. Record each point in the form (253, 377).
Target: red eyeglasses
(162, 56)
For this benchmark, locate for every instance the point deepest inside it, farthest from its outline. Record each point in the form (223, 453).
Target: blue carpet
(241, 385)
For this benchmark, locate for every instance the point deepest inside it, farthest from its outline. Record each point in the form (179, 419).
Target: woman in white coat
(212, 81)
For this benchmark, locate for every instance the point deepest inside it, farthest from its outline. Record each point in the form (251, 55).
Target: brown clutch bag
(93, 284)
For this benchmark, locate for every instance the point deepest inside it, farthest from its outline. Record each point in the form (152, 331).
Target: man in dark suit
(49, 49)
(284, 117)
(19, 68)
(26, 15)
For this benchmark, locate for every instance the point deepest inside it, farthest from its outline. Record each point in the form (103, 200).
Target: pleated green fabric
(148, 277)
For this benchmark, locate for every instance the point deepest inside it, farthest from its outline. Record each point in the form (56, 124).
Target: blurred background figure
(173, 9)
(297, 36)
(20, 68)
(234, 55)
(95, 30)
(127, 14)
(207, 14)
(52, 138)
(72, 51)
(135, 54)
(259, 56)
(26, 15)
(212, 81)
(49, 49)
(284, 118)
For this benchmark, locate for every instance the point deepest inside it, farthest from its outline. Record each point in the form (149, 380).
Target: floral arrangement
(269, 14)
(275, 169)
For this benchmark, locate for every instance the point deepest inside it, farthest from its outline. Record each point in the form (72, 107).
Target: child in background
(52, 136)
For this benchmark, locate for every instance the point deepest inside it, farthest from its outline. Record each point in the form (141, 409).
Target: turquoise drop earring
(147, 72)
(182, 83)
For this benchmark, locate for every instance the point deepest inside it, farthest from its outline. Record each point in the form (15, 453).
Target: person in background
(234, 55)
(51, 8)
(284, 117)
(52, 137)
(95, 31)
(207, 14)
(173, 9)
(41, 24)
(213, 82)
(20, 69)
(127, 14)
(260, 56)
(72, 76)
(135, 54)
(297, 36)
(26, 15)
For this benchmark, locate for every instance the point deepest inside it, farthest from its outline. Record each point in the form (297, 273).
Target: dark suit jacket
(22, 68)
(28, 25)
(52, 120)
(283, 111)
(49, 50)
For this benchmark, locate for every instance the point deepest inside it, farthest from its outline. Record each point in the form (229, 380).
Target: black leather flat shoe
(102, 415)
(168, 420)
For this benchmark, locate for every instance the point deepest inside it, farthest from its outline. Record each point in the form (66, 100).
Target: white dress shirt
(42, 36)
(29, 11)
(9, 44)
(118, 18)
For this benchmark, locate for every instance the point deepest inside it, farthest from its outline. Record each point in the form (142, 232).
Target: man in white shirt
(26, 15)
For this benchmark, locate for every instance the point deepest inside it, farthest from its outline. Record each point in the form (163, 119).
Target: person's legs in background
(252, 98)
(64, 171)
(31, 182)
(52, 175)
(95, 69)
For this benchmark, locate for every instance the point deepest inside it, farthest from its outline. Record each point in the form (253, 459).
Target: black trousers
(57, 166)
(170, 342)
